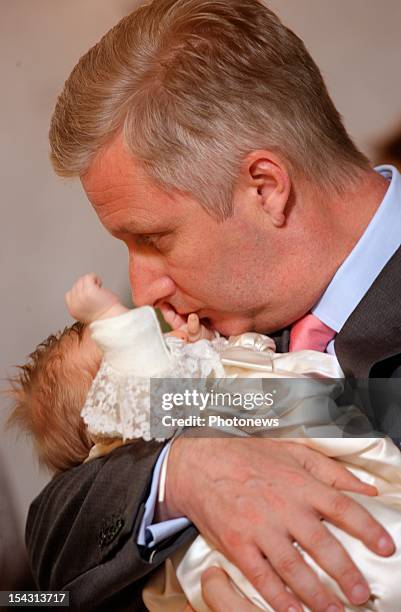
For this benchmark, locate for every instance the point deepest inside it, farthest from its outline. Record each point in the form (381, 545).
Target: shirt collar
(374, 249)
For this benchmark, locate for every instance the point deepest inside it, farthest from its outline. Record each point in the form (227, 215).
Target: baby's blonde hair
(48, 395)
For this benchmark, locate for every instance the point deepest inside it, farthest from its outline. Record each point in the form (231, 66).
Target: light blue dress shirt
(151, 534)
(348, 286)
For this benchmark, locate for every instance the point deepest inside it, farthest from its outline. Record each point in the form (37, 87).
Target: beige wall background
(49, 234)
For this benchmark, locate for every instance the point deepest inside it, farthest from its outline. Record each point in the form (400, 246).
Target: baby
(67, 373)
(50, 391)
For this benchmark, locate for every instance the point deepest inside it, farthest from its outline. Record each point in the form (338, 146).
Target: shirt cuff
(151, 534)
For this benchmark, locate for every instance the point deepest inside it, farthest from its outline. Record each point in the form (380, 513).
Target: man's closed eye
(157, 241)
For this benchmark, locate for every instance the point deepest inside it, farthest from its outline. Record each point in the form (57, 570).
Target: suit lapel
(282, 340)
(373, 331)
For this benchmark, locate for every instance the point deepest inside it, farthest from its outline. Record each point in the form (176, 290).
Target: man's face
(235, 273)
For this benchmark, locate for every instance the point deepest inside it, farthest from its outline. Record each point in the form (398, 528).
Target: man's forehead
(114, 171)
(115, 183)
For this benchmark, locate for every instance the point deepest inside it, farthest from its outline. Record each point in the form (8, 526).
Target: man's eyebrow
(133, 227)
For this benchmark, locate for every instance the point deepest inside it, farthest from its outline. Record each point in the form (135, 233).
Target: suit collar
(373, 331)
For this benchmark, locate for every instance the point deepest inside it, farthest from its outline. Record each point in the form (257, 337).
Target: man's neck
(359, 205)
(351, 214)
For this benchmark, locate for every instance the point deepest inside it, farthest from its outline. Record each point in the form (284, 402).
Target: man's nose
(149, 282)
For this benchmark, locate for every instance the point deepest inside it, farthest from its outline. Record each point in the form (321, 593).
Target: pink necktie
(310, 333)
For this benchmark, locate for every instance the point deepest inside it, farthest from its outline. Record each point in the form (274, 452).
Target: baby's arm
(88, 301)
(193, 330)
(131, 340)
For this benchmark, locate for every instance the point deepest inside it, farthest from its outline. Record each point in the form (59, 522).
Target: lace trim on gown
(118, 405)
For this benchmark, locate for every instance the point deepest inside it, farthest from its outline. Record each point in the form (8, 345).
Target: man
(206, 140)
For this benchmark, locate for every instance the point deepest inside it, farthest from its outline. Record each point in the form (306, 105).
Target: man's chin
(231, 327)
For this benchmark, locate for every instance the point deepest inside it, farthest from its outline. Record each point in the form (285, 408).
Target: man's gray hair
(195, 85)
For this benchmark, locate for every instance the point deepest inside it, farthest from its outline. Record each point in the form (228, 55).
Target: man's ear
(267, 178)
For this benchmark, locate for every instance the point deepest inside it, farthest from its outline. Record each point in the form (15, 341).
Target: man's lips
(210, 319)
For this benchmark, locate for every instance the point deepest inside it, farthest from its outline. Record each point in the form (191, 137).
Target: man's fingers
(293, 570)
(330, 471)
(347, 514)
(220, 595)
(341, 478)
(262, 576)
(329, 554)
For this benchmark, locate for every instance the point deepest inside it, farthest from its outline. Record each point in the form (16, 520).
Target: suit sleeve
(82, 529)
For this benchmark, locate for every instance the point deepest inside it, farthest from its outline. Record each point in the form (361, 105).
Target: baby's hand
(88, 300)
(197, 331)
(193, 330)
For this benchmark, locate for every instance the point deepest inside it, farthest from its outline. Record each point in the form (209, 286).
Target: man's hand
(253, 498)
(87, 300)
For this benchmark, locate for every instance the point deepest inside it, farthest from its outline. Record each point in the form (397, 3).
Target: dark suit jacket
(14, 572)
(82, 529)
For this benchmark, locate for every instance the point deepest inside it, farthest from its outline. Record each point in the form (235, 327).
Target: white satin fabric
(375, 461)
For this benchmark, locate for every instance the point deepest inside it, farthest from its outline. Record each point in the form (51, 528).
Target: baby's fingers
(171, 316)
(193, 324)
(91, 280)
